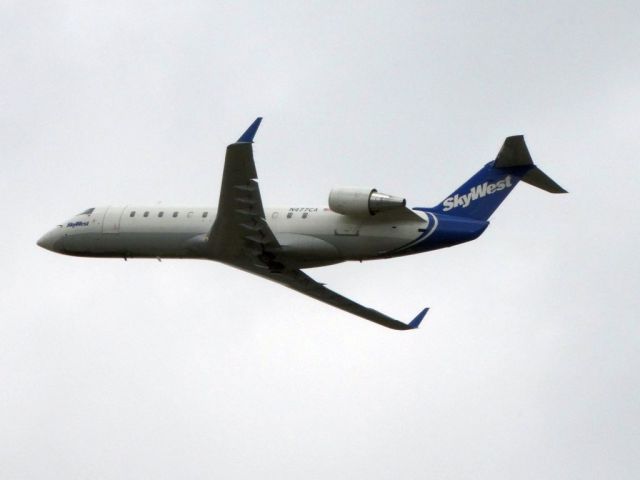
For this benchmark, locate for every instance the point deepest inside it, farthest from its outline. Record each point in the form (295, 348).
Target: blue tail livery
(483, 193)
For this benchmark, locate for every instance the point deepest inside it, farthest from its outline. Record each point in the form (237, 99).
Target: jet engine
(359, 201)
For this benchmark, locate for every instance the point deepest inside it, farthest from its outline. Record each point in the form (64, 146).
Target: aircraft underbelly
(369, 246)
(330, 248)
(130, 244)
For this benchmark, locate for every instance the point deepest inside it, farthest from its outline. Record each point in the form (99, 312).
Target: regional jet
(279, 243)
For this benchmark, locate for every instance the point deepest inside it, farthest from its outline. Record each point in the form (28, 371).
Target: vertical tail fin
(483, 193)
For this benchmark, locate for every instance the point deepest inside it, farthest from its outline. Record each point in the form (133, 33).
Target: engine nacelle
(359, 201)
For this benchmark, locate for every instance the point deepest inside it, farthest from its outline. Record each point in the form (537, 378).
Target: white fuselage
(309, 236)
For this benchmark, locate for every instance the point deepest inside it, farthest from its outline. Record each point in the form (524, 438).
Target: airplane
(360, 223)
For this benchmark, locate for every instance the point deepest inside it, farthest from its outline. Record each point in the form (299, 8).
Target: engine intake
(361, 201)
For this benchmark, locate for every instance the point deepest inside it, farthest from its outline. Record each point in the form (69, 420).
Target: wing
(303, 283)
(240, 231)
(241, 237)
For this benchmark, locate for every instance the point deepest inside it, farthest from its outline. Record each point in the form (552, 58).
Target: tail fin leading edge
(483, 193)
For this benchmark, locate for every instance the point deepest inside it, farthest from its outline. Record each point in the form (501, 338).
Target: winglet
(415, 323)
(247, 136)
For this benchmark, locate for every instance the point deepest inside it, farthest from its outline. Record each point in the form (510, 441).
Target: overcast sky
(527, 365)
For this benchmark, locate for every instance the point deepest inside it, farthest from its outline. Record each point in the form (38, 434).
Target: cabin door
(111, 222)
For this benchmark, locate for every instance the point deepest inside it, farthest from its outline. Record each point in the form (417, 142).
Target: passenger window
(290, 214)
(190, 214)
(132, 214)
(305, 214)
(146, 214)
(175, 214)
(205, 214)
(160, 214)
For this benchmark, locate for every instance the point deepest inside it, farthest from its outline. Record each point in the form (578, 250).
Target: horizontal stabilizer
(538, 178)
(514, 153)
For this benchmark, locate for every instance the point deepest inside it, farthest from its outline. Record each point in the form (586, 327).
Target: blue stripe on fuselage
(449, 230)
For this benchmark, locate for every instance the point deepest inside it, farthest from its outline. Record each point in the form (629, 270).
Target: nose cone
(51, 240)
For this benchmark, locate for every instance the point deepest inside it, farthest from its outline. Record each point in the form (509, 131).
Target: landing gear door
(347, 230)
(112, 217)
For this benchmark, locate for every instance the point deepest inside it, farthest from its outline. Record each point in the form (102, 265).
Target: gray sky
(526, 365)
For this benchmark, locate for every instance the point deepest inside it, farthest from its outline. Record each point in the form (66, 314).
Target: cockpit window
(88, 211)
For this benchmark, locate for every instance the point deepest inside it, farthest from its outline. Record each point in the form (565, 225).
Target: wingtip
(415, 323)
(247, 136)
